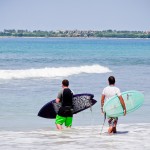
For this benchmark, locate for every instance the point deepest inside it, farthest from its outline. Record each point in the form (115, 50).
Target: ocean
(31, 71)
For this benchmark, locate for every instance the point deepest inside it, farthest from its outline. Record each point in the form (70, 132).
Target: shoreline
(15, 37)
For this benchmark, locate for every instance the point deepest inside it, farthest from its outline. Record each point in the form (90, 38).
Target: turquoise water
(31, 71)
(55, 52)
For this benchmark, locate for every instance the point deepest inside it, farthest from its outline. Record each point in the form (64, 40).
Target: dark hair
(111, 80)
(65, 82)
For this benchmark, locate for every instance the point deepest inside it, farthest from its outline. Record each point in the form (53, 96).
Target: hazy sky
(75, 14)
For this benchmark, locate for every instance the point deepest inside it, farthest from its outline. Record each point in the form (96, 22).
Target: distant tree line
(76, 33)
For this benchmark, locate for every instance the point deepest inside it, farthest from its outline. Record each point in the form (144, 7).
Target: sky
(132, 15)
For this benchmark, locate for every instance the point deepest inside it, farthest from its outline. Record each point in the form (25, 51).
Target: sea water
(31, 71)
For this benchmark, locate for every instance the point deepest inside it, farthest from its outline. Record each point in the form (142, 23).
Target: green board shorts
(67, 120)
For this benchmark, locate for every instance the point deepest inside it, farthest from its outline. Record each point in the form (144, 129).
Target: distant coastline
(103, 38)
(74, 33)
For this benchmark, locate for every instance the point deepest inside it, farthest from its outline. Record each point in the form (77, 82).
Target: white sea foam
(52, 72)
(129, 136)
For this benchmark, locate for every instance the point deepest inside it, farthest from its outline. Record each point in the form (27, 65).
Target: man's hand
(125, 111)
(57, 100)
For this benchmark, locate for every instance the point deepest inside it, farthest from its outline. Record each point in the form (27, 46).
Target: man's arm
(59, 97)
(102, 102)
(123, 104)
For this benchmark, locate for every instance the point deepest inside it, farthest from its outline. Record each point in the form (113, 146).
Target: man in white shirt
(107, 93)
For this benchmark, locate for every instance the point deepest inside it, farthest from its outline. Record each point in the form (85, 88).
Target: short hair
(111, 80)
(65, 82)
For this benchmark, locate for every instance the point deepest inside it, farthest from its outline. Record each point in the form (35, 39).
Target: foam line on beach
(130, 136)
(52, 72)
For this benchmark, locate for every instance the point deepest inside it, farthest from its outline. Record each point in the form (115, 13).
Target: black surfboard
(80, 103)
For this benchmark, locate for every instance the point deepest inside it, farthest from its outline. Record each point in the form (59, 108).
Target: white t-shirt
(110, 91)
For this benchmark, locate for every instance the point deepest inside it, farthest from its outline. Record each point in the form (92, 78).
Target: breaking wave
(52, 72)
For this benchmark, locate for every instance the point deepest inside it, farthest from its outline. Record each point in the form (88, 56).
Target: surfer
(65, 113)
(107, 93)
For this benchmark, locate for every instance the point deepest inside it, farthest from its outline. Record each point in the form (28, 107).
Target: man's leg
(59, 121)
(68, 122)
(110, 129)
(59, 127)
(115, 125)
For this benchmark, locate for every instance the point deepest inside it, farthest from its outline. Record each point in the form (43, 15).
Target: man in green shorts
(65, 114)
